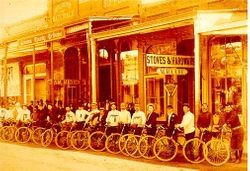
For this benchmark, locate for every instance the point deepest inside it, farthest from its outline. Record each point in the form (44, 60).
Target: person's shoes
(232, 160)
(238, 161)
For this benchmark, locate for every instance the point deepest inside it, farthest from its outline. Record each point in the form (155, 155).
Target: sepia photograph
(128, 85)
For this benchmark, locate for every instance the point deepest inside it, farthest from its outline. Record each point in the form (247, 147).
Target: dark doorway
(104, 83)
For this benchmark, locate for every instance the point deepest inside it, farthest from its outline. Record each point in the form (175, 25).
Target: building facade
(168, 52)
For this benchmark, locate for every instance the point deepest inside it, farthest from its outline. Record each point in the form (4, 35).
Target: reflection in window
(130, 75)
(155, 93)
(226, 71)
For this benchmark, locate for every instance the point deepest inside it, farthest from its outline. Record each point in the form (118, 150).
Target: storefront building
(169, 52)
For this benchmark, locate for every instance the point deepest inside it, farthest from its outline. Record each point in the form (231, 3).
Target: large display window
(129, 76)
(226, 71)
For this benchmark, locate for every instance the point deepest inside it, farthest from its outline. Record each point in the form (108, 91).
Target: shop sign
(170, 88)
(178, 61)
(63, 10)
(172, 71)
(58, 34)
(65, 82)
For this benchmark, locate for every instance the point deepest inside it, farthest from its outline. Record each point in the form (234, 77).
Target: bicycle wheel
(37, 135)
(9, 133)
(146, 145)
(79, 140)
(112, 143)
(165, 149)
(193, 150)
(62, 140)
(216, 152)
(131, 146)
(97, 141)
(23, 134)
(122, 142)
(47, 137)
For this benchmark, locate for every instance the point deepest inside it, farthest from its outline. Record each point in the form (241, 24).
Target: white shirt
(91, 114)
(125, 117)
(3, 113)
(113, 118)
(23, 115)
(80, 115)
(188, 123)
(70, 117)
(139, 118)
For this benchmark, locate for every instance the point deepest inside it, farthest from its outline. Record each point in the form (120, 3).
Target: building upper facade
(73, 15)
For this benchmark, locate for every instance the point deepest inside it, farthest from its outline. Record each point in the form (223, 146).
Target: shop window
(130, 76)
(155, 92)
(226, 71)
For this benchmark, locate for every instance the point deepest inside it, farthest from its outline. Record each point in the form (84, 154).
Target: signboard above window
(178, 61)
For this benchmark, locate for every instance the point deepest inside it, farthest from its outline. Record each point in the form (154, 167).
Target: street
(18, 157)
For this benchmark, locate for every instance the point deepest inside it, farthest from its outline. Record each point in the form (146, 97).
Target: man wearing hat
(233, 122)
(187, 122)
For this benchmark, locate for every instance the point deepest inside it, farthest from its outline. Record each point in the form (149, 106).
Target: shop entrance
(104, 82)
(71, 94)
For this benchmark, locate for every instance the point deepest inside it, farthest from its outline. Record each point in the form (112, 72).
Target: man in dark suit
(151, 120)
(171, 120)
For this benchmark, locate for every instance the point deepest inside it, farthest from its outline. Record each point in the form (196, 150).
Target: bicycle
(146, 143)
(49, 134)
(122, 142)
(8, 131)
(193, 148)
(63, 138)
(112, 141)
(132, 143)
(166, 148)
(217, 151)
(23, 133)
(79, 139)
(97, 140)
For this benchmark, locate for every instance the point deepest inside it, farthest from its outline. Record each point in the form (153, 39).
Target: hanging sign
(54, 35)
(178, 61)
(172, 71)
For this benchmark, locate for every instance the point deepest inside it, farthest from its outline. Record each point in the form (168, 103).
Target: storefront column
(34, 71)
(80, 72)
(244, 82)
(91, 43)
(141, 68)
(93, 69)
(197, 72)
(5, 76)
(204, 70)
(52, 71)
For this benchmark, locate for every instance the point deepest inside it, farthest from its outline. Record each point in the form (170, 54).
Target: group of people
(228, 119)
(125, 119)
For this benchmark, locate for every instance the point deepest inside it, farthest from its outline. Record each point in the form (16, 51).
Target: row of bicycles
(165, 148)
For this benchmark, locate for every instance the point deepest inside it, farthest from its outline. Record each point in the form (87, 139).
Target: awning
(147, 27)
